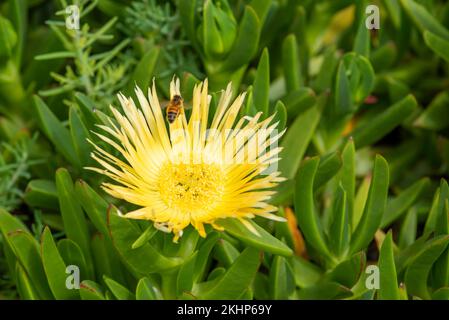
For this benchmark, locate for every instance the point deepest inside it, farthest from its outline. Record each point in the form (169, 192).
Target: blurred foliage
(366, 151)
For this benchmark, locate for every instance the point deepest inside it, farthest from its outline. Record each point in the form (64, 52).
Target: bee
(174, 108)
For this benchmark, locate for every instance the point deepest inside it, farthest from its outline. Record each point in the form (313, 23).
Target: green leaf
(438, 45)
(106, 260)
(407, 234)
(349, 271)
(441, 294)
(394, 11)
(55, 55)
(19, 18)
(146, 290)
(187, 12)
(387, 270)
(263, 241)
(360, 201)
(261, 86)
(118, 290)
(297, 138)
(225, 253)
(305, 272)
(437, 209)
(87, 108)
(360, 75)
(246, 43)
(145, 236)
(324, 291)
(339, 233)
(327, 71)
(55, 268)
(203, 257)
(237, 278)
(418, 271)
(436, 115)
(55, 131)
(304, 206)
(23, 284)
(399, 205)
(144, 70)
(423, 19)
(299, 101)
(9, 39)
(26, 250)
(406, 256)
(281, 280)
(377, 128)
(94, 205)
(362, 40)
(261, 7)
(374, 207)
(90, 290)
(260, 287)
(327, 169)
(281, 115)
(80, 135)
(291, 64)
(75, 224)
(212, 40)
(72, 255)
(41, 194)
(184, 281)
(143, 260)
(347, 176)
(343, 98)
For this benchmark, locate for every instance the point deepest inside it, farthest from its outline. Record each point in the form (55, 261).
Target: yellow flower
(191, 173)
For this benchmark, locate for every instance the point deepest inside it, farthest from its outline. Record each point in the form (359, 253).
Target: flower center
(191, 187)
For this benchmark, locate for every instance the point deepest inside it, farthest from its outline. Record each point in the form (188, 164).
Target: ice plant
(191, 173)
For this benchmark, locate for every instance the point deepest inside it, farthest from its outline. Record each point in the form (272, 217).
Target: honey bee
(174, 108)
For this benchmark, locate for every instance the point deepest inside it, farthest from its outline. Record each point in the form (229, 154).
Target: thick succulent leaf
(281, 280)
(305, 208)
(184, 281)
(146, 290)
(80, 136)
(42, 194)
(237, 278)
(423, 19)
(306, 273)
(291, 64)
(297, 139)
(387, 270)
(417, 273)
(384, 123)
(93, 204)
(55, 268)
(349, 271)
(264, 241)
(119, 291)
(325, 291)
(143, 260)
(245, 45)
(90, 290)
(261, 85)
(26, 250)
(374, 208)
(55, 131)
(397, 206)
(75, 224)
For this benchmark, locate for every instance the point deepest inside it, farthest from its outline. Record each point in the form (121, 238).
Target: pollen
(191, 188)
